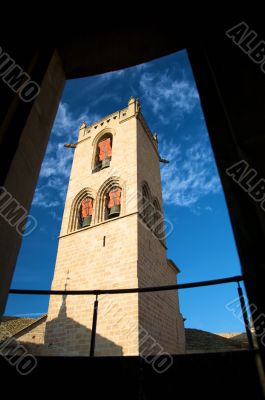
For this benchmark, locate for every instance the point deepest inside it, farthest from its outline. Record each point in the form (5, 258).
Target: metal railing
(98, 292)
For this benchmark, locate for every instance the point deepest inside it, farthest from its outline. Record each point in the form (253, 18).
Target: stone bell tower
(112, 236)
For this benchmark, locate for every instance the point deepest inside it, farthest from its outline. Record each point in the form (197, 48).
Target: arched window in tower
(103, 152)
(113, 202)
(146, 206)
(82, 212)
(85, 212)
(158, 224)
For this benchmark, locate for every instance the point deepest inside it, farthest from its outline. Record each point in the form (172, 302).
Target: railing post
(245, 316)
(94, 328)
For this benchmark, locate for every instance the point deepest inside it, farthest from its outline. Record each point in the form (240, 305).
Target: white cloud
(113, 97)
(110, 75)
(55, 215)
(141, 67)
(63, 120)
(42, 199)
(67, 125)
(170, 96)
(57, 164)
(55, 170)
(54, 182)
(121, 72)
(190, 175)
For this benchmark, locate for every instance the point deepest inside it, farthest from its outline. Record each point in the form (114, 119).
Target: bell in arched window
(114, 202)
(86, 211)
(105, 152)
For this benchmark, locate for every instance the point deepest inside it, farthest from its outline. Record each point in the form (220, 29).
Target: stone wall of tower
(84, 263)
(159, 314)
(116, 253)
(82, 260)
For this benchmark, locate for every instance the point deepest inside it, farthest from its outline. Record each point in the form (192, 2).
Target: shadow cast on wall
(67, 337)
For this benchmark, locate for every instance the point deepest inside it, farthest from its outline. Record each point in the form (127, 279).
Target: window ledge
(97, 224)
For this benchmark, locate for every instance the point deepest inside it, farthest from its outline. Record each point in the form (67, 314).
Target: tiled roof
(11, 326)
(202, 341)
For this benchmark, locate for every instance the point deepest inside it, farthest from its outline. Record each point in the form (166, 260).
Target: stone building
(113, 236)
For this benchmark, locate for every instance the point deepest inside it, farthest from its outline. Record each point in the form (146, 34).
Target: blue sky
(201, 244)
